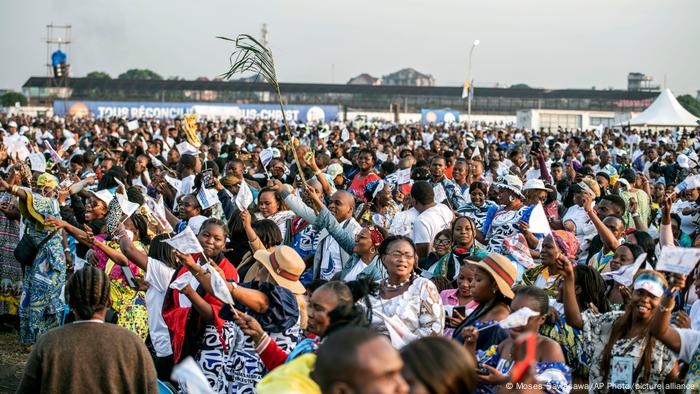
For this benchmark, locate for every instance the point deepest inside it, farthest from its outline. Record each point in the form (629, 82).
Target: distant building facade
(364, 79)
(408, 77)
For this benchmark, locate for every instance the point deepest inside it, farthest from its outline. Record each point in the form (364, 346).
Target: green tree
(10, 98)
(98, 75)
(520, 86)
(690, 104)
(136, 73)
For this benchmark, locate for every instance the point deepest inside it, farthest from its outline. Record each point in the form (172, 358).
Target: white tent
(665, 111)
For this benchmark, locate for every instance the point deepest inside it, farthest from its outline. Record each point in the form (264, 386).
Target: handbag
(26, 250)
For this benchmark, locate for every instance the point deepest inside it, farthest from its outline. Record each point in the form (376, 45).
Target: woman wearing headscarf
(10, 268)
(545, 275)
(42, 305)
(380, 207)
(127, 291)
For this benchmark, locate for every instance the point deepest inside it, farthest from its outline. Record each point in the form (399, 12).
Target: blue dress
(41, 304)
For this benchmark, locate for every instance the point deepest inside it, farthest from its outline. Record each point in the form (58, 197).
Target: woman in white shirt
(413, 299)
(159, 265)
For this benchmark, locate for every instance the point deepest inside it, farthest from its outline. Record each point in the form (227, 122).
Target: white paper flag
(157, 209)
(155, 161)
(185, 242)
(476, 152)
(691, 182)
(678, 260)
(625, 275)
(174, 182)
(185, 148)
(403, 176)
(127, 207)
(132, 125)
(518, 318)
(538, 221)
(38, 162)
(239, 141)
(266, 156)
(344, 135)
(207, 197)
(191, 378)
(244, 197)
(439, 192)
(218, 285)
(381, 156)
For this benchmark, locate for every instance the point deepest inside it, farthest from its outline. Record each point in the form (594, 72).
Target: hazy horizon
(549, 44)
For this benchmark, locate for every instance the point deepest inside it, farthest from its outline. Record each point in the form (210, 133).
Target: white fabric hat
(512, 183)
(104, 195)
(684, 161)
(535, 184)
(12, 123)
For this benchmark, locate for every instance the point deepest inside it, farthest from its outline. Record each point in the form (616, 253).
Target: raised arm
(666, 232)
(256, 300)
(311, 162)
(659, 326)
(571, 307)
(606, 236)
(134, 255)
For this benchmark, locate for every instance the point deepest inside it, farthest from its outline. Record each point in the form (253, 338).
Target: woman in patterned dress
(10, 269)
(41, 305)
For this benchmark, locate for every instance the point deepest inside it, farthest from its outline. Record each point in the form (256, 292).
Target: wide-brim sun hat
(502, 270)
(535, 184)
(285, 265)
(512, 183)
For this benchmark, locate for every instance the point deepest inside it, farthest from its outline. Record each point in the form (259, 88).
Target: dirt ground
(12, 360)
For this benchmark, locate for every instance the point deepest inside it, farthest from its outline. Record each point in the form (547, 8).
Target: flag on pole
(465, 89)
(468, 89)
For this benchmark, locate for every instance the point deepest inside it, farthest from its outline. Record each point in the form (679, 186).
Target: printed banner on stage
(161, 110)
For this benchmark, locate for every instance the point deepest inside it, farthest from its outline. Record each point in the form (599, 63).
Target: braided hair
(593, 288)
(88, 292)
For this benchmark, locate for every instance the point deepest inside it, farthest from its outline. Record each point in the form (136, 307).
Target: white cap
(12, 123)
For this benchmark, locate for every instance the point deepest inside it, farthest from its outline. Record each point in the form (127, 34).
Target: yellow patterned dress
(127, 301)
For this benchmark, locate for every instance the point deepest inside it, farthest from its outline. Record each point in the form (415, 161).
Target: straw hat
(285, 265)
(502, 270)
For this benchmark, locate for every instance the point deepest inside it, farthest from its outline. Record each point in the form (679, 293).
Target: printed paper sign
(132, 125)
(185, 242)
(678, 260)
(244, 197)
(439, 192)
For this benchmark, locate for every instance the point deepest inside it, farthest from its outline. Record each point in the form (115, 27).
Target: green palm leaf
(250, 55)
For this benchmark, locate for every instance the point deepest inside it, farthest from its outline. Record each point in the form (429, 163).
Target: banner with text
(160, 110)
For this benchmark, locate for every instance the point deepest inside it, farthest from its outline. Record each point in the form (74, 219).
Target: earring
(373, 250)
(494, 291)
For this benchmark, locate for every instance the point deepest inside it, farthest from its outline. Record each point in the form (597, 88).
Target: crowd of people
(348, 257)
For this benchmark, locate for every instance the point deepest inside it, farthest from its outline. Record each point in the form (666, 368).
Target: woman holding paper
(498, 360)
(622, 338)
(192, 314)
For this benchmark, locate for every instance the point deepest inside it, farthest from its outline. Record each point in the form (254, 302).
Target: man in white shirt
(432, 218)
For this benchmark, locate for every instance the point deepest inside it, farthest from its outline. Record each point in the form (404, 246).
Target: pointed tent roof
(665, 111)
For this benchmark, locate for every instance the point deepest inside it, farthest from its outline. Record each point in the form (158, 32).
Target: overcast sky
(544, 43)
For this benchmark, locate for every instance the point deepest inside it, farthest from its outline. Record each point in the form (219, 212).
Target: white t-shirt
(356, 269)
(430, 222)
(158, 277)
(585, 229)
(402, 223)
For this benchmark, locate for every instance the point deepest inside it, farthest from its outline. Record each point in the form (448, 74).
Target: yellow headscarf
(47, 180)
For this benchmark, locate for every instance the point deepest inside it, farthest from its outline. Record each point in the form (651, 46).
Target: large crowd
(239, 256)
